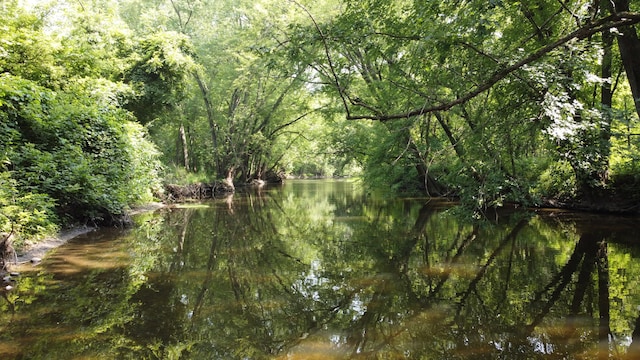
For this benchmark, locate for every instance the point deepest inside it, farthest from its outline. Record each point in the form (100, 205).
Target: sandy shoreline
(41, 248)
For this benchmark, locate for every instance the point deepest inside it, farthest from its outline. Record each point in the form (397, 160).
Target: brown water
(319, 270)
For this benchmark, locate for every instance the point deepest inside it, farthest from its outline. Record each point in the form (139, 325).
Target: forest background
(488, 102)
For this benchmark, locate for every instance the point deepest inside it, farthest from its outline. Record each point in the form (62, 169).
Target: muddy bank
(39, 249)
(33, 253)
(601, 202)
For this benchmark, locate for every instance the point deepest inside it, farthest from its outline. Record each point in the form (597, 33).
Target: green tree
(243, 92)
(509, 86)
(159, 74)
(69, 147)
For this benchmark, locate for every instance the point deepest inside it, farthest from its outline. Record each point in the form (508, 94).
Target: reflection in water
(319, 270)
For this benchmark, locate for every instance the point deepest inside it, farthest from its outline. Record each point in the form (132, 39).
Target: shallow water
(320, 270)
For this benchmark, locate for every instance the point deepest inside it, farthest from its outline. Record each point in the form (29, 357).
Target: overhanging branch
(334, 75)
(613, 21)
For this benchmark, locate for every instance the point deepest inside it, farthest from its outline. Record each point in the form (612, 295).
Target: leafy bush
(178, 175)
(625, 174)
(76, 148)
(143, 166)
(557, 181)
(30, 215)
(624, 160)
(382, 173)
(70, 152)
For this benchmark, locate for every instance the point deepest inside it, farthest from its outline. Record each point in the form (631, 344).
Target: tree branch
(294, 121)
(327, 54)
(617, 20)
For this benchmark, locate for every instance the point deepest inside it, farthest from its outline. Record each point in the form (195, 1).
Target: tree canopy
(492, 96)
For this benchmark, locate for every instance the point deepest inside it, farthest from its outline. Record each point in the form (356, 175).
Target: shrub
(28, 215)
(76, 148)
(558, 181)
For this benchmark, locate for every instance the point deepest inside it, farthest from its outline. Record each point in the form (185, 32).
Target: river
(319, 269)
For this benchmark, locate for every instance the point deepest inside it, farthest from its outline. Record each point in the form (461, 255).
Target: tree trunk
(6, 249)
(606, 99)
(204, 90)
(629, 46)
(185, 147)
(228, 181)
(431, 185)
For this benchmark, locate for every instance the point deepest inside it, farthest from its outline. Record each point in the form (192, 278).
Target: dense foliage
(70, 151)
(490, 102)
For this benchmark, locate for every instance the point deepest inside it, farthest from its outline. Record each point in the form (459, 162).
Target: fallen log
(197, 191)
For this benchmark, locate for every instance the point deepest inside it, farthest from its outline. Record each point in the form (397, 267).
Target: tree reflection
(307, 273)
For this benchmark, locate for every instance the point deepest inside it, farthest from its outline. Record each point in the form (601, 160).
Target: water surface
(321, 270)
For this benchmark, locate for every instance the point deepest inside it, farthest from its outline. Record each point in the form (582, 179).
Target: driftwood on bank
(198, 191)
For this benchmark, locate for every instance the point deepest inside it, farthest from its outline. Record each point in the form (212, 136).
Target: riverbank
(605, 201)
(33, 253)
(603, 204)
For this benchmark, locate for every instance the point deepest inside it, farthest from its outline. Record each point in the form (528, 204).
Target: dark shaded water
(317, 270)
